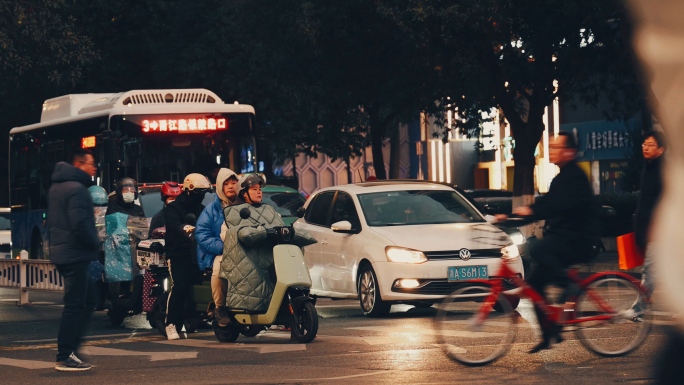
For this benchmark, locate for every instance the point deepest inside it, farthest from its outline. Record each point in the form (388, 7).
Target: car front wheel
(369, 294)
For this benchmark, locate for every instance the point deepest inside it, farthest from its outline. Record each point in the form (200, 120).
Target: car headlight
(517, 237)
(510, 252)
(400, 254)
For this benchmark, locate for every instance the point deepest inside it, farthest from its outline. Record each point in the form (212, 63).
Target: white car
(387, 242)
(5, 234)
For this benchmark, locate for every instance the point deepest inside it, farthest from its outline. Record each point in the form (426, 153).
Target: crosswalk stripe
(154, 356)
(259, 347)
(26, 364)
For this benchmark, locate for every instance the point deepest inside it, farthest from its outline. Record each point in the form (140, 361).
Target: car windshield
(416, 207)
(4, 221)
(285, 203)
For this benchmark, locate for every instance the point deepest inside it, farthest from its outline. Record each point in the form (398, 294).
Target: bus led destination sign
(184, 126)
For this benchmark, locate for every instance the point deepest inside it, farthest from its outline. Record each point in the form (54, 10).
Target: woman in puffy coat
(208, 236)
(248, 253)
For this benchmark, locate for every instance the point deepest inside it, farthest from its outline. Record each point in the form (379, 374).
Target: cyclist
(571, 215)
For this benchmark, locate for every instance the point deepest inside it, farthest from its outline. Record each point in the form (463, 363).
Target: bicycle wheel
(470, 336)
(619, 334)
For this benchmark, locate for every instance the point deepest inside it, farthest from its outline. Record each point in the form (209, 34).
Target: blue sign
(602, 140)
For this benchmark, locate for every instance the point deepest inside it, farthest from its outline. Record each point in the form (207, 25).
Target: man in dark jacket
(74, 243)
(181, 216)
(651, 188)
(570, 234)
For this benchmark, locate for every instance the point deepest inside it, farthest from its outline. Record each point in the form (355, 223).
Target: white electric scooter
(291, 305)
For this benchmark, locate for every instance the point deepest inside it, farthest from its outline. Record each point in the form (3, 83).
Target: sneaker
(72, 364)
(171, 332)
(632, 315)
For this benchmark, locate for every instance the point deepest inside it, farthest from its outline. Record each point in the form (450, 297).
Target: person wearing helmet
(180, 216)
(208, 236)
(247, 245)
(250, 188)
(124, 199)
(169, 192)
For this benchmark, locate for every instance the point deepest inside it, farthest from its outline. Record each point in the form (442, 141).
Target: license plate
(463, 273)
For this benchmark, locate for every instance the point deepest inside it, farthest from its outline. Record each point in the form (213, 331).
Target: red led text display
(184, 126)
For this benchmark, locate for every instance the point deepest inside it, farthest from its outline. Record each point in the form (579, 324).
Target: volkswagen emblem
(464, 254)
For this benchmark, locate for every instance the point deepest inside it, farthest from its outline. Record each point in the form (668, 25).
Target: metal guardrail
(29, 274)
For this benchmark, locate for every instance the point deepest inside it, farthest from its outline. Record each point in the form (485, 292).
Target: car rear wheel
(369, 294)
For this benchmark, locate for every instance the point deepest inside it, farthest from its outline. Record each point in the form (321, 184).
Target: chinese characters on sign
(607, 140)
(184, 125)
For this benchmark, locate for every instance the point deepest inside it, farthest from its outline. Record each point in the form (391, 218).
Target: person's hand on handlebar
(522, 211)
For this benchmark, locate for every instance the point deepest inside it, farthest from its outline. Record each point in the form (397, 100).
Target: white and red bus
(149, 135)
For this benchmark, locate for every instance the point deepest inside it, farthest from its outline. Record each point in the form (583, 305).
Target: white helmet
(196, 181)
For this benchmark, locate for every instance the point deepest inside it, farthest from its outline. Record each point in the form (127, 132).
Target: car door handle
(324, 242)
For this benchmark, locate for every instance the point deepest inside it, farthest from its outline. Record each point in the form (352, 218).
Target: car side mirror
(300, 212)
(343, 227)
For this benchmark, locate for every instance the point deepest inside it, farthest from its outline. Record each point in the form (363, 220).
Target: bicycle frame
(552, 313)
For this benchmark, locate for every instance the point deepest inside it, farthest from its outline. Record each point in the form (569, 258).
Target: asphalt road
(399, 349)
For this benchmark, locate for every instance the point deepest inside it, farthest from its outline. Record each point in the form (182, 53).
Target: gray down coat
(248, 256)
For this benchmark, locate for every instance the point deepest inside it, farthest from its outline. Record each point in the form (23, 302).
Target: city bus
(149, 135)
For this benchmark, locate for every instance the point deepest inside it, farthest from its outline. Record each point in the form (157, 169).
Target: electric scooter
(291, 304)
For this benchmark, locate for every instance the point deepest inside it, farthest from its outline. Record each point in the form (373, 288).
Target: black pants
(79, 302)
(553, 254)
(183, 273)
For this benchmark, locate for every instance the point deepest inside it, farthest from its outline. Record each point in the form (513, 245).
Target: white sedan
(387, 242)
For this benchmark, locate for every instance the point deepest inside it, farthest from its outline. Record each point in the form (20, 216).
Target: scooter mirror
(300, 212)
(245, 213)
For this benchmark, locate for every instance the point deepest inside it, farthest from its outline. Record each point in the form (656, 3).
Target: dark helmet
(248, 180)
(126, 182)
(170, 190)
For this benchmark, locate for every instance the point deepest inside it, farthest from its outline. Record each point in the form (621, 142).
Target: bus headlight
(510, 252)
(400, 254)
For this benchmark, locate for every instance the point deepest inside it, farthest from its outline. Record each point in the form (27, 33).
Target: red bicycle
(476, 324)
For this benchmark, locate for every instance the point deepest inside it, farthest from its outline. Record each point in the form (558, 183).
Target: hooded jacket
(208, 230)
(71, 223)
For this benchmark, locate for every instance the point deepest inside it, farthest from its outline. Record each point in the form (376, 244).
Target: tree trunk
(395, 156)
(377, 132)
(294, 170)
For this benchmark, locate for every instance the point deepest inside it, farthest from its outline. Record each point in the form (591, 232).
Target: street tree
(519, 56)
(42, 52)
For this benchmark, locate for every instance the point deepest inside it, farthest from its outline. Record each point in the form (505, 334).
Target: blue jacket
(70, 217)
(208, 227)
(208, 234)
